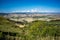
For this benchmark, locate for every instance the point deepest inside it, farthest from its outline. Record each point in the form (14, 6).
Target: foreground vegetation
(36, 30)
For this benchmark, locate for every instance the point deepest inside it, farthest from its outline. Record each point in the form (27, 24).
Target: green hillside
(36, 30)
(7, 26)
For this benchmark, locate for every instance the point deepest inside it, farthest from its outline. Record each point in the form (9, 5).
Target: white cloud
(35, 10)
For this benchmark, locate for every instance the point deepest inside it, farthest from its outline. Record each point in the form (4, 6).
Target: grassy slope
(33, 31)
(7, 26)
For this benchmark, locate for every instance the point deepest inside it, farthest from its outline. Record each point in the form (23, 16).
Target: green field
(35, 30)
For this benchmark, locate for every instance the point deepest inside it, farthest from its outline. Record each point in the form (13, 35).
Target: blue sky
(29, 5)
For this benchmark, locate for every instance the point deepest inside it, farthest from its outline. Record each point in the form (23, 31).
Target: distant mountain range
(50, 13)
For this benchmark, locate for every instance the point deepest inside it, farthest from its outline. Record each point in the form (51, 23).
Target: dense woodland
(36, 30)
